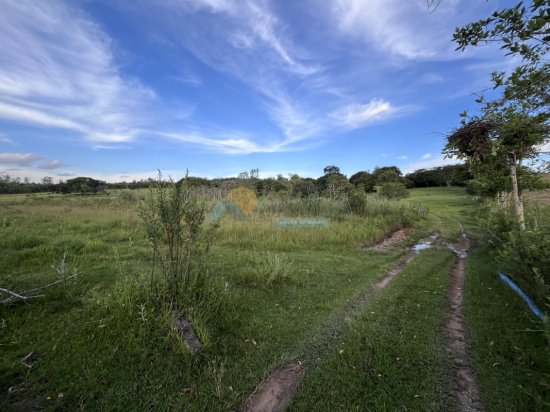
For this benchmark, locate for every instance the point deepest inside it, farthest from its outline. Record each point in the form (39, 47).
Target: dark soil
(389, 242)
(275, 393)
(464, 382)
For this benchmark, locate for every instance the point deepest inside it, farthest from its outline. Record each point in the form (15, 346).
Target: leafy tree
(512, 127)
(363, 180)
(82, 185)
(386, 174)
(331, 170)
(457, 175)
(522, 31)
(336, 185)
(505, 141)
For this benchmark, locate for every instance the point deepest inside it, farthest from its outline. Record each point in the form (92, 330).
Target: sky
(117, 89)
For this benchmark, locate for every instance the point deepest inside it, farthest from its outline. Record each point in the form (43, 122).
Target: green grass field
(99, 344)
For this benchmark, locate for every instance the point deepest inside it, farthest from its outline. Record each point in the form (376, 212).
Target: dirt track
(278, 389)
(464, 382)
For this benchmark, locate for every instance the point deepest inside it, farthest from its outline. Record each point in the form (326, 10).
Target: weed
(174, 222)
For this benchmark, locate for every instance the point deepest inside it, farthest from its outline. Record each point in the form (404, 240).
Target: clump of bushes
(393, 190)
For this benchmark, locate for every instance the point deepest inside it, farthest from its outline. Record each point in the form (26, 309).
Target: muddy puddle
(425, 243)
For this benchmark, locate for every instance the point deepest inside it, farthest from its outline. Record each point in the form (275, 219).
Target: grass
(103, 346)
(391, 359)
(511, 354)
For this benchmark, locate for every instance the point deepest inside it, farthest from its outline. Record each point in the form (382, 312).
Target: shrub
(393, 190)
(174, 220)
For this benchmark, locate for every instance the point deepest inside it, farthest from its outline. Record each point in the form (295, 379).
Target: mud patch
(461, 247)
(464, 381)
(389, 242)
(276, 392)
(425, 243)
(187, 333)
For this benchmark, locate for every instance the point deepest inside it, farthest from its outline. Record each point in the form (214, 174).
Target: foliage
(386, 174)
(364, 180)
(331, 170)
(457, 175)
(82, 185)
(521, 31)
(524, 253)
(174, 220)
(393, 190)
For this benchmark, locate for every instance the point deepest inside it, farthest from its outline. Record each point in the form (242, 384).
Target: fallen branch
(26, 295)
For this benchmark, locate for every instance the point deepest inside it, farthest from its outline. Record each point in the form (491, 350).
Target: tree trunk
(518, 204)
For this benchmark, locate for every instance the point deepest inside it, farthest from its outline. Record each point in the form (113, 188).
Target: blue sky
(116, 89)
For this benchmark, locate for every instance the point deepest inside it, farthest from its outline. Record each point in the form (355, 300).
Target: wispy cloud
(249, 41)
(188, 78)
(402, 157)
(51, 164)
(404, 29)
(230, 143)
(6, 139)
(57, 70)
(357, 115)
(19, 159)
(426, 156)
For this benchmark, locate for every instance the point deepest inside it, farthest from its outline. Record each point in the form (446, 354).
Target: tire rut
(279, 387)
(464, 380)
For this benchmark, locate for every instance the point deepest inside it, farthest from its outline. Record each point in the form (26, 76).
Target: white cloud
(426, 156)
(384, 155)
(35, 175)
(6, 139)
(188, 78)
(358, 115)
(432, 78)
(20, 113)
(112, 137)
(390, 25)
(20, 159)
(429, 163)
(544, 148)
(51, 164)
(57, 69)
(402, 157)
(403, 29)
(224, 142)
(110, 147)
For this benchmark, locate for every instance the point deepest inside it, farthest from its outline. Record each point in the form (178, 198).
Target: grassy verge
(393, 358)
(511, 354)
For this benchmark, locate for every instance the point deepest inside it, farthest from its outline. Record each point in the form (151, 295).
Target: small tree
(506, 139)
(174, 221)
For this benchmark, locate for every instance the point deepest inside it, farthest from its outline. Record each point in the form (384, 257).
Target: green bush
(393, 190)
(174, 220)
